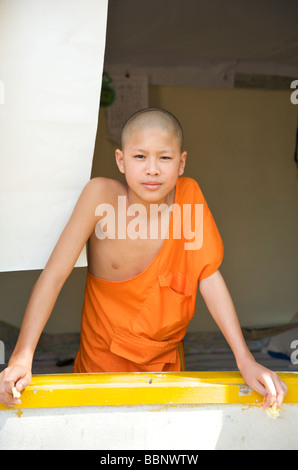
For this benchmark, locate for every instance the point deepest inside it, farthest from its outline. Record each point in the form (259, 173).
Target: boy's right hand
(18, 376)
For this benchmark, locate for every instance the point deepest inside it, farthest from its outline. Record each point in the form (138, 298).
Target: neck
(132, 198)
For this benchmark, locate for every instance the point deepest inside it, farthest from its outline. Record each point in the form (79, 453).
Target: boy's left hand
(265, 382)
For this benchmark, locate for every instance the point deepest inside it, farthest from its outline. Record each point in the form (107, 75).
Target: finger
(8, 386)
(10, 399)
(282, 391)
(271, 392)
(259, 388)
(270, 400)
(11, 404)
(16, 401)
(23, 382)
(7, 392)
(20, 385)
(7, 399)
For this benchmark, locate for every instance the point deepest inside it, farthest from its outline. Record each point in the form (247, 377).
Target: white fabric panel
(51, 56)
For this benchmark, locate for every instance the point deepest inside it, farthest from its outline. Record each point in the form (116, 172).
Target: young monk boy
(142, 279)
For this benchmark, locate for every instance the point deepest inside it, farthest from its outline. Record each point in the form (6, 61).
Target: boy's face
(151, 161)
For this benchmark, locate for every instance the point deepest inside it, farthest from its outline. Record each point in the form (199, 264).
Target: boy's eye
(141, 157)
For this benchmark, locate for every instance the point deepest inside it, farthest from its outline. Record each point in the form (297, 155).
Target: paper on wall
(131, 95)
(51, 62)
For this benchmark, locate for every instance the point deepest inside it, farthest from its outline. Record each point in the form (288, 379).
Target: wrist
(244, 360)
(24, 359)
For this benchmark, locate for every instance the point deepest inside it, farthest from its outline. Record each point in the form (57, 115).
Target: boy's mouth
(152, 185)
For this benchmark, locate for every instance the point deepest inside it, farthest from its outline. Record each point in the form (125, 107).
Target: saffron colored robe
(138, 325)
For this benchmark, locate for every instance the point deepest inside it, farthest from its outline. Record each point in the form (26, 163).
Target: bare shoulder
(97, 191)
(80, 225)
(103, 190)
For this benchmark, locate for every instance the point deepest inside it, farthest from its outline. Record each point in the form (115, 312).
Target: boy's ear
(120, 160)
(182, 163)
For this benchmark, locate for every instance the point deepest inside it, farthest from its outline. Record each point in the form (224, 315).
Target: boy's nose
(152, 167)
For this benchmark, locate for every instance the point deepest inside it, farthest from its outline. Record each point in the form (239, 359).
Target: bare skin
(151, 161)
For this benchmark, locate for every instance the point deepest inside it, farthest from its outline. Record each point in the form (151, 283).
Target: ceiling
(251, 36)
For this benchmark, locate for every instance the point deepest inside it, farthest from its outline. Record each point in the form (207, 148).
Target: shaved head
(152, 117)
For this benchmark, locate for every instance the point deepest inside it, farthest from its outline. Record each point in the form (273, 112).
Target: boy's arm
(219, 303)
(47, 288)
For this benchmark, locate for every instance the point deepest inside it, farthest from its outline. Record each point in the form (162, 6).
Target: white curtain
(51, 62)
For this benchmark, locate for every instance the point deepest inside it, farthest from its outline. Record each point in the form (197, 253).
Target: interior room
(229, 72)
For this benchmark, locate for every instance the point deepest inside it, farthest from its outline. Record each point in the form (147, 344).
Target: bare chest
(121, 248)
(119, 260)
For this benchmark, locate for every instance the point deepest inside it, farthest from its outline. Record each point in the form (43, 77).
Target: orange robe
(138, 325)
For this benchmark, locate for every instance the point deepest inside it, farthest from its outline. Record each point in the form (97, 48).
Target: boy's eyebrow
(169, 150)
(139, 150)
